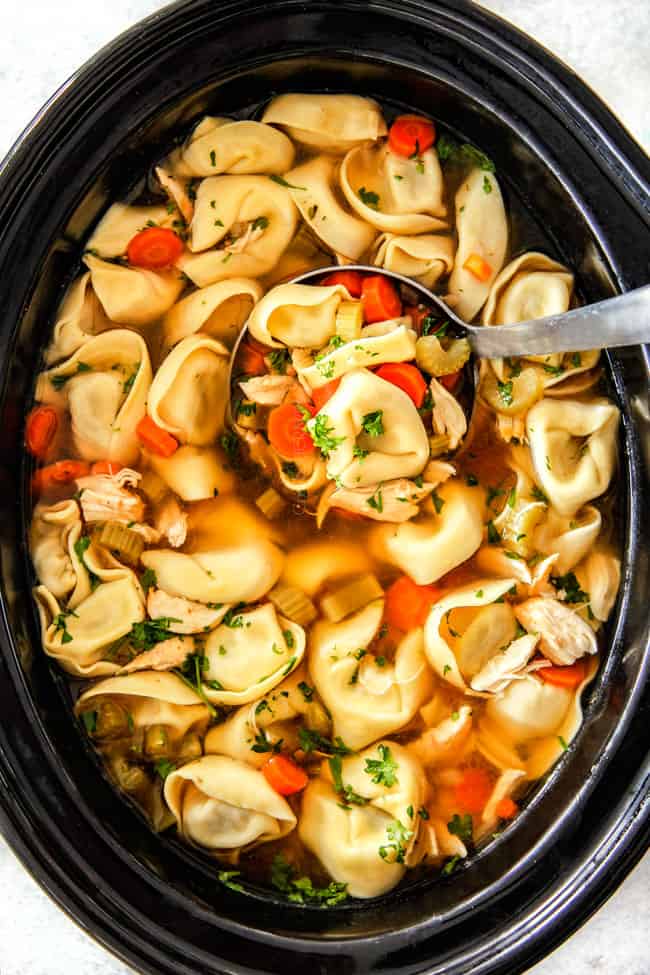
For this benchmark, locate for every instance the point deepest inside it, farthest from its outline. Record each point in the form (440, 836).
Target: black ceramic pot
(561, 154)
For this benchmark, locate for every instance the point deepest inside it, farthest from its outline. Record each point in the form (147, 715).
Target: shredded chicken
(394, 501)
(437, 472)
(510, 780)
(506, 665)
(448, 417)
(512, 427)
(105, 497)
(176, 193)
(449, 844)
(171, 521)
(564, 636)
(268, 390)
(425, 848)
(164, 656)
(187, 616)
(240, 236)
(437, 743)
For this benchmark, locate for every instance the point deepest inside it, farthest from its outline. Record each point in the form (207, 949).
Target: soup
(333, 594)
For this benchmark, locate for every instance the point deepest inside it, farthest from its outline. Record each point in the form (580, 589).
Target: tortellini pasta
(427, 548)
(367, 700)
(332, 123)
(189, 393)
(195, 473)
(120, 224)
(426, 257)
(53, 532)
(396, 345)
(80, 317)
(365, 845)
(412, 203)
(297, 315)
(221, 805)
(133, 295)
(531, 286)
(573, 449)
(218, 311)
(251, 223)
(482, 231)
(313, 186)
(223, 145)
(104, 385)
(400, 450)
(249, 654)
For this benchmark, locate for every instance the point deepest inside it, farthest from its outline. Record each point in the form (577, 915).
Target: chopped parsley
(282, 182)
(233, 618)
(288, 639)
(230, 443)
(461, 826)
(505, 392)
(326, 369)
(306, 691)
(431, 326)
(227, 878)
(321, 433)
(290, 469)
(262, 743)
(382, 770)
(372, 423)
(260, 223)
(450, 866)
(59, 381)
(438, 502)
(213, 157)
(80, 547)
(538, 494)
(163, 768)
(301, 890)
(576, 360)
(59, 624)
(571, 587)
(376, 501)
(127, 385)
(89, 719)
(511, 500)
(563, 743)
(148, 580)
(450, 150)
(312, 211)
(279, 359)
(348, 795)
(398, 835)
(553, 370)
(368, 197)
(487, 185)
(493, 535)
(312, 741)
(359, 452)
(246, 408)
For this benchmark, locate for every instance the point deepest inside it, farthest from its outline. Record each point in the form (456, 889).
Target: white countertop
(41, 43)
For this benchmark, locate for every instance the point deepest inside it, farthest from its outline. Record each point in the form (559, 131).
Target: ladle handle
(623, 320)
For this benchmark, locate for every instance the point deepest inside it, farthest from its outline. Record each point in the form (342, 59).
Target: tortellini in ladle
(104, 386)
(367, 700)
(222, 805)
(297, 315)
(366, 844)
(426, 257)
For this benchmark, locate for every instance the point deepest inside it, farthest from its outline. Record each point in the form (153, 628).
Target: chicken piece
(512, 428)
(394, 501)
(437, 472)
(240, 236)
(449, 844)
(444, 741)
(176, 193)
(187, 616)
(150, 535)
(448, 417)
(171, 521)
(267, 390)
(509, 782)
(564, 636)
(506, 665)
(425, 849)
(164, 656)
(106, 497)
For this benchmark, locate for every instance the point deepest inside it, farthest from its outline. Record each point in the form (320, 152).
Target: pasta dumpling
(104, 385)
(426, 257)
(531, 286)
(365, 845)
(297, 315)
(482, 231)
(195, 473)
(219, 311)
(261, 648)
(120, 224)
(223, 145)
(412, 203)
(429, 547)
(53, 532)
(401, 449)
(332, 123)
(189, 394)
(133, 295)
(367, 700)
(80, 317)
(573, 450)
(251, 223)
(223, 805)
(394, 345)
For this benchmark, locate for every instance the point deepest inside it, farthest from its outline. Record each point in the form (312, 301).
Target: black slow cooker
(562, 155)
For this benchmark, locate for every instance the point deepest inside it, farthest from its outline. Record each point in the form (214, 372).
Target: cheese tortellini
(133, 295)
(333, 123)
(222, 145)
(223, 805)
(367, 699)
(426, 257)
(297, 315)
(218, 311)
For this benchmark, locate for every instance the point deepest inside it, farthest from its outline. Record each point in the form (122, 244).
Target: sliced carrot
(321, 395)
(284, 776)
(451, 380)
(154, 438)
(506, 808)
(352, 280)
(286, 430)
(473, 791)
(409, 135)
(251, 359)
(569, 676)
(381, 299)
(40, 430)
(105, 467)
(407, 605)
(407, 377)
(153, 248)
(479, 267)
(57, 475)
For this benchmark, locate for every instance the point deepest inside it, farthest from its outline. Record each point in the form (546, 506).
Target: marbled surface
(41, 43)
